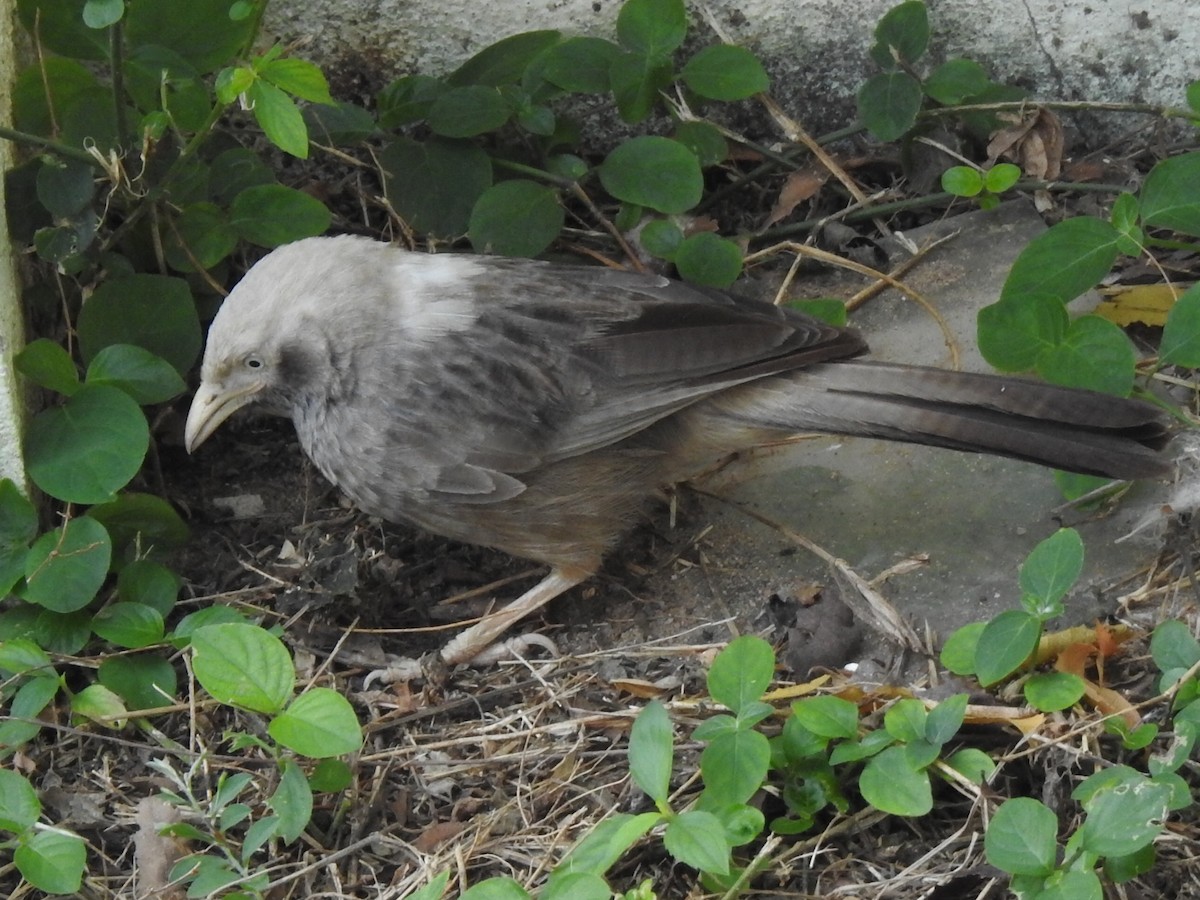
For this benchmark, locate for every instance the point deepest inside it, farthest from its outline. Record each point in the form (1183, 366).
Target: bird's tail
(1065, 428)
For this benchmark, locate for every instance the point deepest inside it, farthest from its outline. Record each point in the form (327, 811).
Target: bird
(539, 407)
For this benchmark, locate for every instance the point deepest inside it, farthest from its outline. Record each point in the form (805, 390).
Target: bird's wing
(561, 361)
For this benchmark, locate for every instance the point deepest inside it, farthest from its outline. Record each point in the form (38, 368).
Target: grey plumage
(536, 408)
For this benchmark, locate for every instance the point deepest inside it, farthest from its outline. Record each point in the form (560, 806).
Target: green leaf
(651, 751)
(1067, 260)
(1002, 176)
(601, 847)
(138, 372)
(576, 886)
(902, 35)
(725, 72)
(19, 805)
(200, 239)
(408, 99)
(235, 170)
(888, 104)
(330, 776)
(232, 82)
(257, 835)
(339, 123)
(741, 672)
(870, 745)
(1053, 691)
(496, 888)
(434, 890)
(65, 567)
(52, 861)
(905, 720)
(516, 218)
(89, 448)
(1172, 646)
(130, 625)
(434, 185)
(65, 187)
(1022, 838)
(827, 716)
(1051, 568)
(1121, 869)
(889, 782)
(696, 839)
(271, 215)
(292, 801)
(734, 766)
(741, 823)
(143, 521)
(958, 653)
(1006, 642)
(1094, 354)
(956, 80)
(151, 311)
(830, 310)
(661, 237)
(1124, 818)
(243, 665)
(20, 656)
(467, 111)
(60, 27)
(279, 118)
(1181, 336)
(944, 720)
(28, 703)
(318, 724)
(46, 363)
(148, 583)
(505, 61)
(581, 65)
(299, 78)
(652, 28)
(201, 31)
(100, 705)
(704, 140)
(962, 181)
(655, 172)
(1014, 332)
(143, 681)
(709, 260)
(1170, 195)
(636, 82)
(971, 763)
(63, 632)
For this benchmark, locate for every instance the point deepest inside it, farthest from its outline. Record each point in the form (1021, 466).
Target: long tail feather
(1065, 428)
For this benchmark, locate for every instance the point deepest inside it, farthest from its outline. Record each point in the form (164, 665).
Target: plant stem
(64, 150)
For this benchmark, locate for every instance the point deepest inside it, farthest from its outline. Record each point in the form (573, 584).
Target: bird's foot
(434, 667)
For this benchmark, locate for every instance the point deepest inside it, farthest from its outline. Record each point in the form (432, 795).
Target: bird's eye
(253, 362)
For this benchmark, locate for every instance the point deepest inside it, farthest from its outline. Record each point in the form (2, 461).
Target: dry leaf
(800, 186)
(1147, 304)
(1107, 701)
(155, 854)
(1034, 141)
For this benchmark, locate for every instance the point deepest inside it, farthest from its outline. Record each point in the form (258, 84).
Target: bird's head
(259, 350)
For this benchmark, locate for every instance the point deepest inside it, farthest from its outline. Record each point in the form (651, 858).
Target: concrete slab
(875, 503)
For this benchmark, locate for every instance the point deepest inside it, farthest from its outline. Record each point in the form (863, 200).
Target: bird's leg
(475, 640)
(473, 644)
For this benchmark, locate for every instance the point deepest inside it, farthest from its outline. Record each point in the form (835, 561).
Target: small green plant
(890, 103)
(985, 184)
(994, 650)
(50, 859)
(1125, 809)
